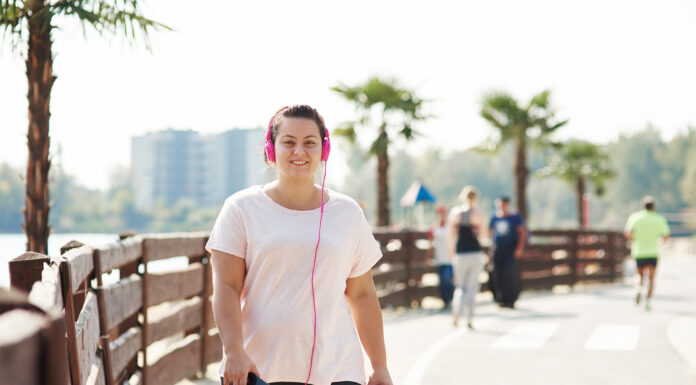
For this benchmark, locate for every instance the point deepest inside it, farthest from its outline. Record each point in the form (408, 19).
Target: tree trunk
(40, 77)
(521, 174)
(580, 190)
(383, 217)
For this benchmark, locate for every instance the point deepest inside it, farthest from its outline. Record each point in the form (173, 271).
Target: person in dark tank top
(467, 224)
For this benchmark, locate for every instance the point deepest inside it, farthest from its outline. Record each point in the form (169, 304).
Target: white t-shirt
(278, 245)
(439, 242)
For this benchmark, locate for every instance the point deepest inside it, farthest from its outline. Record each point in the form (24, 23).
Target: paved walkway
(592, 335)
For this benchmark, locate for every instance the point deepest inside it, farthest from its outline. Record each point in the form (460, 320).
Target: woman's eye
(310, 143)
(288, 143)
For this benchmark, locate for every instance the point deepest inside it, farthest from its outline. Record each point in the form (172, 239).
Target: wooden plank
(393, 257)
(398, 274)
(96, 373)
(81, 264)
(123, 349)
(121, 300)
(182, 284)
(47, 293)
(162, 246)
(601, 277)
(531, 264)
(419, 292)
(182, 362)
(87, 336)
(546, 282)
(71, 313)
(20, 350)
(384, 236)
(205, 296)
(213, 346)
(136, 378)
(394, 298)
(117, 254)
(418, 255)
(26, 269)
(182, 316)
(54, 351)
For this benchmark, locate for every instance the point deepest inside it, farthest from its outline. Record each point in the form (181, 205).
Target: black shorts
(642, 262)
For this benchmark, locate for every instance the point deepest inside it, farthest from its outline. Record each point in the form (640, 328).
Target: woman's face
(298, 147)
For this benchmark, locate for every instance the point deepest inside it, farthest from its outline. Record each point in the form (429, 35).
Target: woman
(466, 225)
(291, 271)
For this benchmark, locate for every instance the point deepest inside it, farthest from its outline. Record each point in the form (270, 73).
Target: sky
(613, 67)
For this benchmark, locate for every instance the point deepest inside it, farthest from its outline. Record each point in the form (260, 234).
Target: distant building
(174, 164)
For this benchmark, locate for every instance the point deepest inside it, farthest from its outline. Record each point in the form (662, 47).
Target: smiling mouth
(299, 162)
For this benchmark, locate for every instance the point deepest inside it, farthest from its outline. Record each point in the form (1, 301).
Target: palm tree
(33, 20)
(577, 163)
(384, 105)
(531, 124)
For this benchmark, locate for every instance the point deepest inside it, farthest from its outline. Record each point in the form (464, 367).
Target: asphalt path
(590, 335)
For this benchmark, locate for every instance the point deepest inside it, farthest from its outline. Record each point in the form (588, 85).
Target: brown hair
(296, 111)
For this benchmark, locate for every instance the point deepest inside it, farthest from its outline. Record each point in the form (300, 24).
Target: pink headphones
(270, 148)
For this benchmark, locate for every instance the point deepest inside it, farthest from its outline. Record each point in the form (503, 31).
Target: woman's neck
(295, 195)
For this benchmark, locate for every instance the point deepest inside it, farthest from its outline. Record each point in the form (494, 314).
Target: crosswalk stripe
(526, 336)
(614, 337)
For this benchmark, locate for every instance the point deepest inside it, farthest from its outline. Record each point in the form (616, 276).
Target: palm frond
(379, 146)
(119, 16)
(408, 132)
(346, 130)
(12, 20)
(540, 100)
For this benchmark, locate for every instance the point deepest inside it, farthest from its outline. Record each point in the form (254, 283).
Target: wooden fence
(129, 320)
(124, 322)
(552, 258)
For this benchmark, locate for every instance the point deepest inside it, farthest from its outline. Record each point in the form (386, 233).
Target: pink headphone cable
(316, 250)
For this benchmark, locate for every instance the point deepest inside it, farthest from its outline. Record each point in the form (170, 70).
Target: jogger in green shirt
(646, 229)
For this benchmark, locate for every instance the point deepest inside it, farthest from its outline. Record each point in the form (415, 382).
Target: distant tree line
(644, 163)
(77, 209)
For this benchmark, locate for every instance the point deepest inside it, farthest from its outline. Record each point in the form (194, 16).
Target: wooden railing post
(573, 256)
(26, 269)
(146, 328)
(408, 243)
(204, 315)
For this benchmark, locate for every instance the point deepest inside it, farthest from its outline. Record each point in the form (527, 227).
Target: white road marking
(526, 336)
(614, 337)
(415, 374)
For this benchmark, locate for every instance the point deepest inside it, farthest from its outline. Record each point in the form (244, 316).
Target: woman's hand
(380, 377)
(237, 368)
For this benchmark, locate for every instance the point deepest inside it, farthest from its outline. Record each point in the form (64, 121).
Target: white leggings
(467, 268)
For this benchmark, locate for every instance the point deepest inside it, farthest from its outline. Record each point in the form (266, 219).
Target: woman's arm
(228, 279)
(362, 300)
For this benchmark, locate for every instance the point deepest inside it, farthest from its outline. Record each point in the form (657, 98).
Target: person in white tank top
(438, 252)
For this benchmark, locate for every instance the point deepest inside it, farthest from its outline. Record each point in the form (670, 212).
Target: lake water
(13, 245)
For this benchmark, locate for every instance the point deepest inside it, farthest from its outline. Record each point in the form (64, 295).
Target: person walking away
(438, 252)
(646, 229)
(466, 225)
(509, 239)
